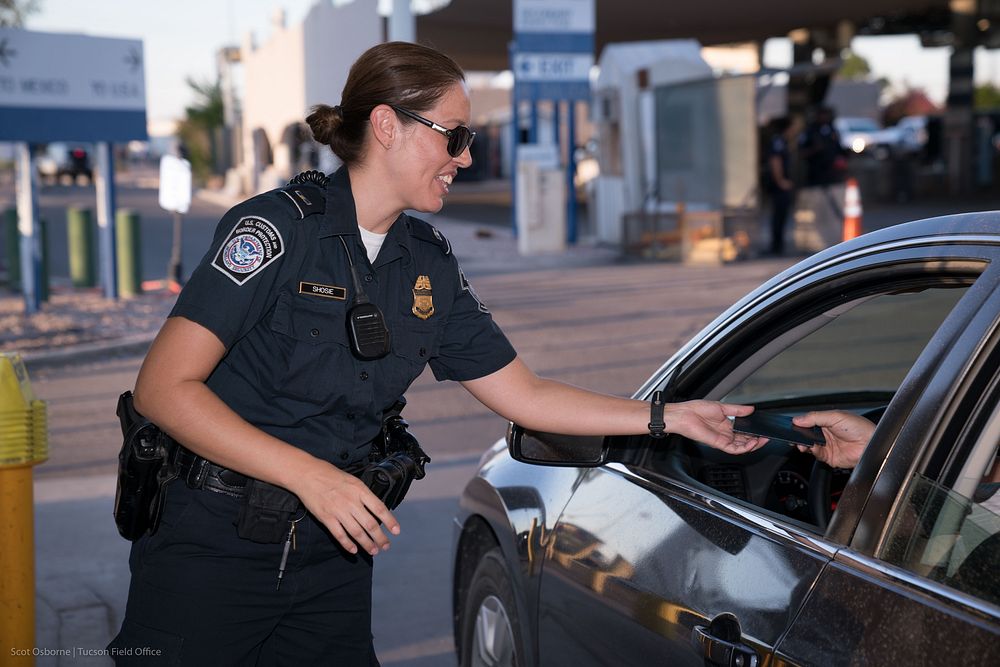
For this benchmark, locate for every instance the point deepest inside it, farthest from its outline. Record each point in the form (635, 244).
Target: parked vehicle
(59, 160)
(864, 135)
(634, 551)
(912, 133)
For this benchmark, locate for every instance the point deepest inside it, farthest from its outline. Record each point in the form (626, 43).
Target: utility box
(541, 201)
(818, 217)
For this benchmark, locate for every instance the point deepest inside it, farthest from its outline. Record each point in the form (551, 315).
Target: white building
(296, 68)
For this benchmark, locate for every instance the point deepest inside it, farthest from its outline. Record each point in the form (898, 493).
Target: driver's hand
(846, 435)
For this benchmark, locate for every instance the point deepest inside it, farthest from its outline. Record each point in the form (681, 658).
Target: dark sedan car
(634, 551)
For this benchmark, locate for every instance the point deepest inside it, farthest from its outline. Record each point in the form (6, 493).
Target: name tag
(325, 291)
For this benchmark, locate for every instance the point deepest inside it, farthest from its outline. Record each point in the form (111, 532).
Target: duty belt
(200, 473)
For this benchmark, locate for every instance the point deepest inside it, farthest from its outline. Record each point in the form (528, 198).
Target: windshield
(861, 125)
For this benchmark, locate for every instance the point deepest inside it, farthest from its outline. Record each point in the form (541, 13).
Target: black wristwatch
(656, 424)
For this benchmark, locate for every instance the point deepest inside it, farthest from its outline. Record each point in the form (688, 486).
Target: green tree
(987, 97)
(13, 12)
(200, 126)
(854, 67)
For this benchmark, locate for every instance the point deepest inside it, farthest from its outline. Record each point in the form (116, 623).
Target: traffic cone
(852, 210)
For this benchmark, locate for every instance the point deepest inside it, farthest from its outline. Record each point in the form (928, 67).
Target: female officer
(256, 373)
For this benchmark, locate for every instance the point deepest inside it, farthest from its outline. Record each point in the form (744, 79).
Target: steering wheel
(819, 494)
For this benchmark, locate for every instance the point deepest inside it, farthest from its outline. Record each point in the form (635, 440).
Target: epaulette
(307, 198)
(429, 233)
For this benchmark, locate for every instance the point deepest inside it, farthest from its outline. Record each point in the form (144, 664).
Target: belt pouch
(265, 513)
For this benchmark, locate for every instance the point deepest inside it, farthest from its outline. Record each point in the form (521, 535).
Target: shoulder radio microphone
(366, 330)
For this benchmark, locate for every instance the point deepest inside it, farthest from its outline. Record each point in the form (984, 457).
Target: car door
(919, 582)
(635, 565)
(686, 552)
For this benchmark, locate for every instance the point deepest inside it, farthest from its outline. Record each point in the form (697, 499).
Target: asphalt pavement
(563, 312)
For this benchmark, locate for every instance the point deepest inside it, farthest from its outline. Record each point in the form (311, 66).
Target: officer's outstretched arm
(516, 393)
(171, 392)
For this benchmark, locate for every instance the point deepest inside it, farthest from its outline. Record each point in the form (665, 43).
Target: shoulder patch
(252, 244)
(305, 198)
(429, 233)
(467, 286)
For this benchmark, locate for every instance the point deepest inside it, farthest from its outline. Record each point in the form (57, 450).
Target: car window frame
(965, 262)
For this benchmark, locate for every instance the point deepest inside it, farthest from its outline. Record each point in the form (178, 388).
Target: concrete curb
(101, 350)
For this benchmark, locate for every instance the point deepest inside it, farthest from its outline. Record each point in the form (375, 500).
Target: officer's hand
(348, 509)
(708, 422)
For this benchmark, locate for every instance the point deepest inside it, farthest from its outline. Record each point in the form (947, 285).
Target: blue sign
(66, 87)
(553, 49)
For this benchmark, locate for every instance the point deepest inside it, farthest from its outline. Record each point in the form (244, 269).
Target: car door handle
(719, 643)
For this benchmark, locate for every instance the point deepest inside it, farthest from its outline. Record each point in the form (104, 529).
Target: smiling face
(424, 170)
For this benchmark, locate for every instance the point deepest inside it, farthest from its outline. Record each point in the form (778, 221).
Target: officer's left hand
(708, 422)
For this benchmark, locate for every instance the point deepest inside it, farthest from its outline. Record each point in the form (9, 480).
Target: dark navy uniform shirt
(778, 148)
(276, 289)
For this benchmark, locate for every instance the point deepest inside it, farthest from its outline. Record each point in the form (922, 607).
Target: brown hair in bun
(395, 73)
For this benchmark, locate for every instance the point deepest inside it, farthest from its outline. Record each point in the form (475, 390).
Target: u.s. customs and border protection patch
(423, 301)
(252, 244)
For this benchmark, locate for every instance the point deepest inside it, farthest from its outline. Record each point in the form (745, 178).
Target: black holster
(144, 469)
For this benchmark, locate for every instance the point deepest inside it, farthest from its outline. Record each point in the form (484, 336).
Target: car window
(949, 537)
(866, 345)
(852, 354)
(861, 125)
(949, 532)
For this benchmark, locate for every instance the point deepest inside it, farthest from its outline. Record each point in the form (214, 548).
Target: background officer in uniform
(779, 181)
(255, 372)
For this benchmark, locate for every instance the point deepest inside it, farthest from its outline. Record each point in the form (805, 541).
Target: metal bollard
(129, 253)
(13, 249)
(81, 239)
(43, 270)
(23, 444)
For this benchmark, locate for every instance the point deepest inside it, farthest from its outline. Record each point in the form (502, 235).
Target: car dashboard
(776, 477)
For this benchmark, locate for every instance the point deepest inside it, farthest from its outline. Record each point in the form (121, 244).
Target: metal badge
(423, 303)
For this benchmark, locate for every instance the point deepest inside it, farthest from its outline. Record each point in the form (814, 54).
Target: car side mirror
(553, 449)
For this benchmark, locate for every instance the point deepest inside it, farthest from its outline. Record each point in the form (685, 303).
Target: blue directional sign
(553, 49)
(67, 87)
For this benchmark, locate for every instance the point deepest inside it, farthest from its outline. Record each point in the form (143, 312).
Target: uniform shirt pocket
(311, 341)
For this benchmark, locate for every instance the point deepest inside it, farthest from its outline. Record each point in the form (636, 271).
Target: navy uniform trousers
(201, 595)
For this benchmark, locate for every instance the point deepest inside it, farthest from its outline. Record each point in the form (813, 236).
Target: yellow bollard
(23, 444)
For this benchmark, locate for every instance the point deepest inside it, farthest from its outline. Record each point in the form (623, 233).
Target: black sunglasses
(459, 138)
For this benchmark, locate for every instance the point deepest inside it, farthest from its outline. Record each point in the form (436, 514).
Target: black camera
(396, 459)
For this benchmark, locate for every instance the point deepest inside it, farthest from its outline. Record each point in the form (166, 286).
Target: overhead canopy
(477, 32)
